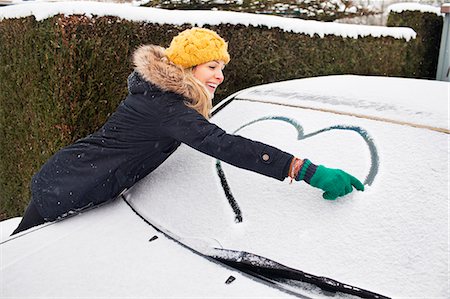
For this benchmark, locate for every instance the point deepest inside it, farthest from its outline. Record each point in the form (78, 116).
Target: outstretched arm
(188, 126)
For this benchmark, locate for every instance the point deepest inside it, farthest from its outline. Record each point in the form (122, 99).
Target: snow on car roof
(400, 100)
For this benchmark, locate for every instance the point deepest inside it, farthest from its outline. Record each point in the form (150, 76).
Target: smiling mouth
(211, 86)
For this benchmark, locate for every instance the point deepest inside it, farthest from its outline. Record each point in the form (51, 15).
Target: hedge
(319, 10)
(62, 77)
(428, 27)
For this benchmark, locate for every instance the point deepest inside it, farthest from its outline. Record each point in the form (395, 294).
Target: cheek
(200, 75)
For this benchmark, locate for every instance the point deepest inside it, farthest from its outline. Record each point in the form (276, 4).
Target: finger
(358, 185)
(348, 189)
(329, 196)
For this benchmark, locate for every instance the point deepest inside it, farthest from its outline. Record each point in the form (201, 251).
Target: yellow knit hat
(196, 46)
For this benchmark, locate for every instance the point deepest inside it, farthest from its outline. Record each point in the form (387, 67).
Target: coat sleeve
(188, 126)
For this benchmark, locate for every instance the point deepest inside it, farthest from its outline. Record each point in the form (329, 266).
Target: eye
(212, 67)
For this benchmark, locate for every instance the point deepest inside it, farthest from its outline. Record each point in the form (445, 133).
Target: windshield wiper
(285, 278)
(279, 274)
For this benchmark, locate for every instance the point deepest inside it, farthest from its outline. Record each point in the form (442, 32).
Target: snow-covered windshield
(391, 238)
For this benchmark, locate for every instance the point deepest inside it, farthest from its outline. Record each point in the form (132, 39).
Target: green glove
(334, 182)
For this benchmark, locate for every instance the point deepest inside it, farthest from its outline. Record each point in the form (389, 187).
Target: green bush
(62, 77)
(425, 49)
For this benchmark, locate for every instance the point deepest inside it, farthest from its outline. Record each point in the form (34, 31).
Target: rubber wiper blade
(263, 267)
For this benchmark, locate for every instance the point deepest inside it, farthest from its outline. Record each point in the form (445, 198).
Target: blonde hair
(202, 99)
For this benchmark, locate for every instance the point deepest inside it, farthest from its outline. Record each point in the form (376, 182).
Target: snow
(401, 7)
(106, 253)
(392, 238)
(391, 102)
(7, 227)
(43, 10)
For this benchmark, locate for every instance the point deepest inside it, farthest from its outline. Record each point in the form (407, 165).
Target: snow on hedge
(43, 10)
(401, 7)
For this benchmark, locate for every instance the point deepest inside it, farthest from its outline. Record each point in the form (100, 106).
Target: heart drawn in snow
(301, 136)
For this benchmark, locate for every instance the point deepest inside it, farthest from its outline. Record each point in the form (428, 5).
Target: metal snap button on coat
(265, 157)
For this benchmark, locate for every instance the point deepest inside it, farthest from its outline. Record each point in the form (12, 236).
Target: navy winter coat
(146, 129)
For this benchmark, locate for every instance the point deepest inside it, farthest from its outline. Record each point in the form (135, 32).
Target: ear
(193, 69)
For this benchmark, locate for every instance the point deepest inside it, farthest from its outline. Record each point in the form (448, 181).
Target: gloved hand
(334, 182)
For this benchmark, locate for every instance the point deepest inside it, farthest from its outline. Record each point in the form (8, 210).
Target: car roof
(415, 102)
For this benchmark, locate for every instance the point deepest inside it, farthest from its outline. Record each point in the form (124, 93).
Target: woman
(170, 96)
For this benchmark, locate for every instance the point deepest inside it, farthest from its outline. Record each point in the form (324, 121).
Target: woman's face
(210, 74)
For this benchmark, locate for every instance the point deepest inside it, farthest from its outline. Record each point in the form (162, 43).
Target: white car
(196, 227)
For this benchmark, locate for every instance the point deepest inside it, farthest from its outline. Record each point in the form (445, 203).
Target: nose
(219, 76)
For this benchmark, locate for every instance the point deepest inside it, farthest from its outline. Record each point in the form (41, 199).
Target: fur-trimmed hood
(153, 66)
